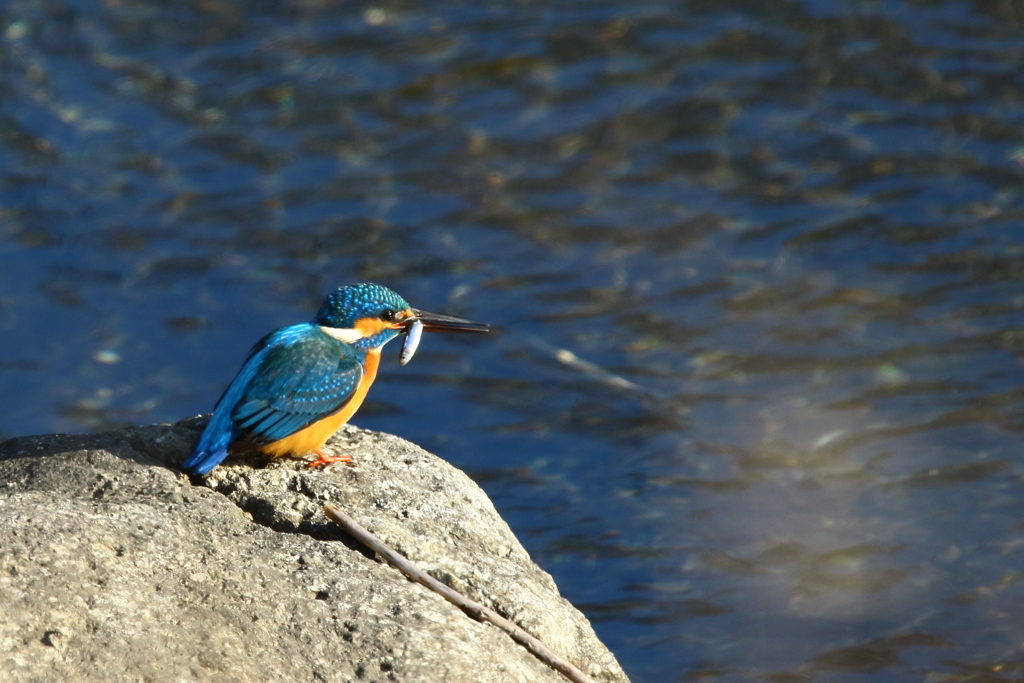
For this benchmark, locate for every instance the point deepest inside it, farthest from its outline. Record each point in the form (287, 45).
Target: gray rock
(114, 566)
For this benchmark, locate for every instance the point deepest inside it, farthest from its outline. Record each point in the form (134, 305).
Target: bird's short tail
(212, 447)
(201, 462)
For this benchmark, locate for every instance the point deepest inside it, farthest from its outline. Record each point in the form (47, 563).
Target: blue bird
(301, 383)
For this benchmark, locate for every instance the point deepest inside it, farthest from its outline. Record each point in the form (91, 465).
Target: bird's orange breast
(313, 437)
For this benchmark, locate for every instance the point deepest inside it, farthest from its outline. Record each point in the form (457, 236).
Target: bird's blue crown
(350, 303)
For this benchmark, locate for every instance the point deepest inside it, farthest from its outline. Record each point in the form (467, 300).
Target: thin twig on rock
(473, 609)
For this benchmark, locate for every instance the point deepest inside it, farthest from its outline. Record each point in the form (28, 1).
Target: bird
(301, 383)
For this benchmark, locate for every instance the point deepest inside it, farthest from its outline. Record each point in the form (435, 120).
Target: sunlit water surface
(754, 394)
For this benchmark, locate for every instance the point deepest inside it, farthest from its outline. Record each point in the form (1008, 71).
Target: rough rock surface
(114, 566)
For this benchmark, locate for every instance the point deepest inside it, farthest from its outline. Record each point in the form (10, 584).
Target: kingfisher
(301, 383)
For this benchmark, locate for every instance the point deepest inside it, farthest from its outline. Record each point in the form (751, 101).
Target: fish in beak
(433, 322)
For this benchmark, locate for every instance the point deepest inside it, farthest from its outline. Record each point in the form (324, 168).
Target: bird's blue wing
(298, 383)
(292, 378)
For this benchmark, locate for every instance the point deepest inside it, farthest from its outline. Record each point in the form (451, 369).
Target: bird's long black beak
(438, 322)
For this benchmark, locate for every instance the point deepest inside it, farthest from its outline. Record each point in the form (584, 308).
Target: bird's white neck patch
(348, 335)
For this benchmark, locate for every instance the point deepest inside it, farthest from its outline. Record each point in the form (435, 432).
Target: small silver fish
(413, 334)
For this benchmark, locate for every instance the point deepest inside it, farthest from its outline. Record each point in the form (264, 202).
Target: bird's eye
(387, 315)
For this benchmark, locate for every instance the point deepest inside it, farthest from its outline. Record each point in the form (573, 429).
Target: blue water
(753, 396)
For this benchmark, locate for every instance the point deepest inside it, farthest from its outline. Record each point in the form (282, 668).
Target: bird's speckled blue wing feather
(300, 380)
(292, 378)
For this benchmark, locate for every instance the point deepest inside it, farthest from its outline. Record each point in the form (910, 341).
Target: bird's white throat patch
(348, 335)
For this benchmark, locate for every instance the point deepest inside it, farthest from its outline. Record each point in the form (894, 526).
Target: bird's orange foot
(324, 459)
